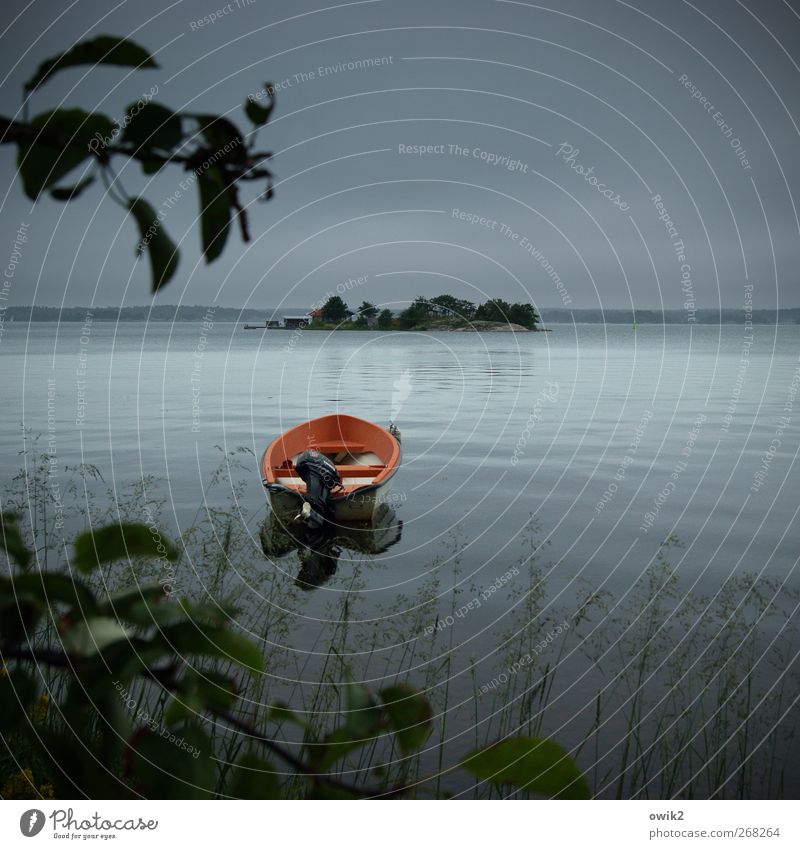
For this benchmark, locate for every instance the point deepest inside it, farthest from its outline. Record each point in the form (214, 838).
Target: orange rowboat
(336, 467)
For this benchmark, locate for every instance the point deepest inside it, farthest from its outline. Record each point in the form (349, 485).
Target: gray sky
(496, 79)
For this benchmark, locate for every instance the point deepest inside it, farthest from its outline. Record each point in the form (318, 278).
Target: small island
(444, 312)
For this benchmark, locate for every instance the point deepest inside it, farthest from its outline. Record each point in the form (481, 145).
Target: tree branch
(17, 132)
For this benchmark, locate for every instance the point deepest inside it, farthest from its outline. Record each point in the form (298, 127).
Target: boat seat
(359, 471)
(344, 471)
(339, 447)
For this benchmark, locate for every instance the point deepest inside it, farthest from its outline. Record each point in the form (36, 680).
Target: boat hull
(359, 506)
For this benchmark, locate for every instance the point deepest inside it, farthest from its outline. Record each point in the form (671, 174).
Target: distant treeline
(702, 316)
(156, 313)
(548, 316)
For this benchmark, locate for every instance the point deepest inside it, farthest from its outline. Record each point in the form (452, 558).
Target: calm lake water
(589, 445)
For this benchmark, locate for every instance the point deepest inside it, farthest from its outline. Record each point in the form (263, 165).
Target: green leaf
(119, 603)
(92, 709)
(254, 778)
(149, 614)
(173, 764)
(231, 646)
(103, 50)
(70, 192)
(12, 541)
(128, 659)
(152, 126)
(215, 689)
(56, 746)
(17, 692)
(63, 144)
(119, 542)
(199, 691)
(323, 755)
(280, 712)
(221, 135)
(409, 714)
(182, 707)
(362, 723)
(54, 587)
(163, 253)
(258, 114)
(215, 213)
(213, 613)
(18, 619)
(151, 166)
(361, 713)
(92, 635)
(146, 614)
(188, 638)
(538, 766)
(19, 612)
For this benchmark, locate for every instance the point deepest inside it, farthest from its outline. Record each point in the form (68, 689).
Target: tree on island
(335, 310)
(500, 311)
(495, 309)
(385, 319)
(418, 313)
(447, 310)
(366, 312)
(525, 315)
(457, 307)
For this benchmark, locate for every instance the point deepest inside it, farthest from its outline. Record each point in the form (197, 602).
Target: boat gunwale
(388, 472)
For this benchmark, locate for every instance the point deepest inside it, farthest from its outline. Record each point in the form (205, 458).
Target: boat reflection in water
(319, 547)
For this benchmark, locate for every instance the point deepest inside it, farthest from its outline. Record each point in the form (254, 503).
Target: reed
(683, 694)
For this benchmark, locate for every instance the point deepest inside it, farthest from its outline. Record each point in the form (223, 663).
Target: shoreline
(475, 327)
(167, 314)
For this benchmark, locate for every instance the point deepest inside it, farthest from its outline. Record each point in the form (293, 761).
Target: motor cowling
(319, 475)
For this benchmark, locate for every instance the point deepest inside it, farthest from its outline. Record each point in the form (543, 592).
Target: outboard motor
(320, 477)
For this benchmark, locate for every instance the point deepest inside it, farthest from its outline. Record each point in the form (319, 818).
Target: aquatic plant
(132, 692)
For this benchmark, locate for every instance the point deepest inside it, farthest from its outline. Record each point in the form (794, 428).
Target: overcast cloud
(694, 102)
